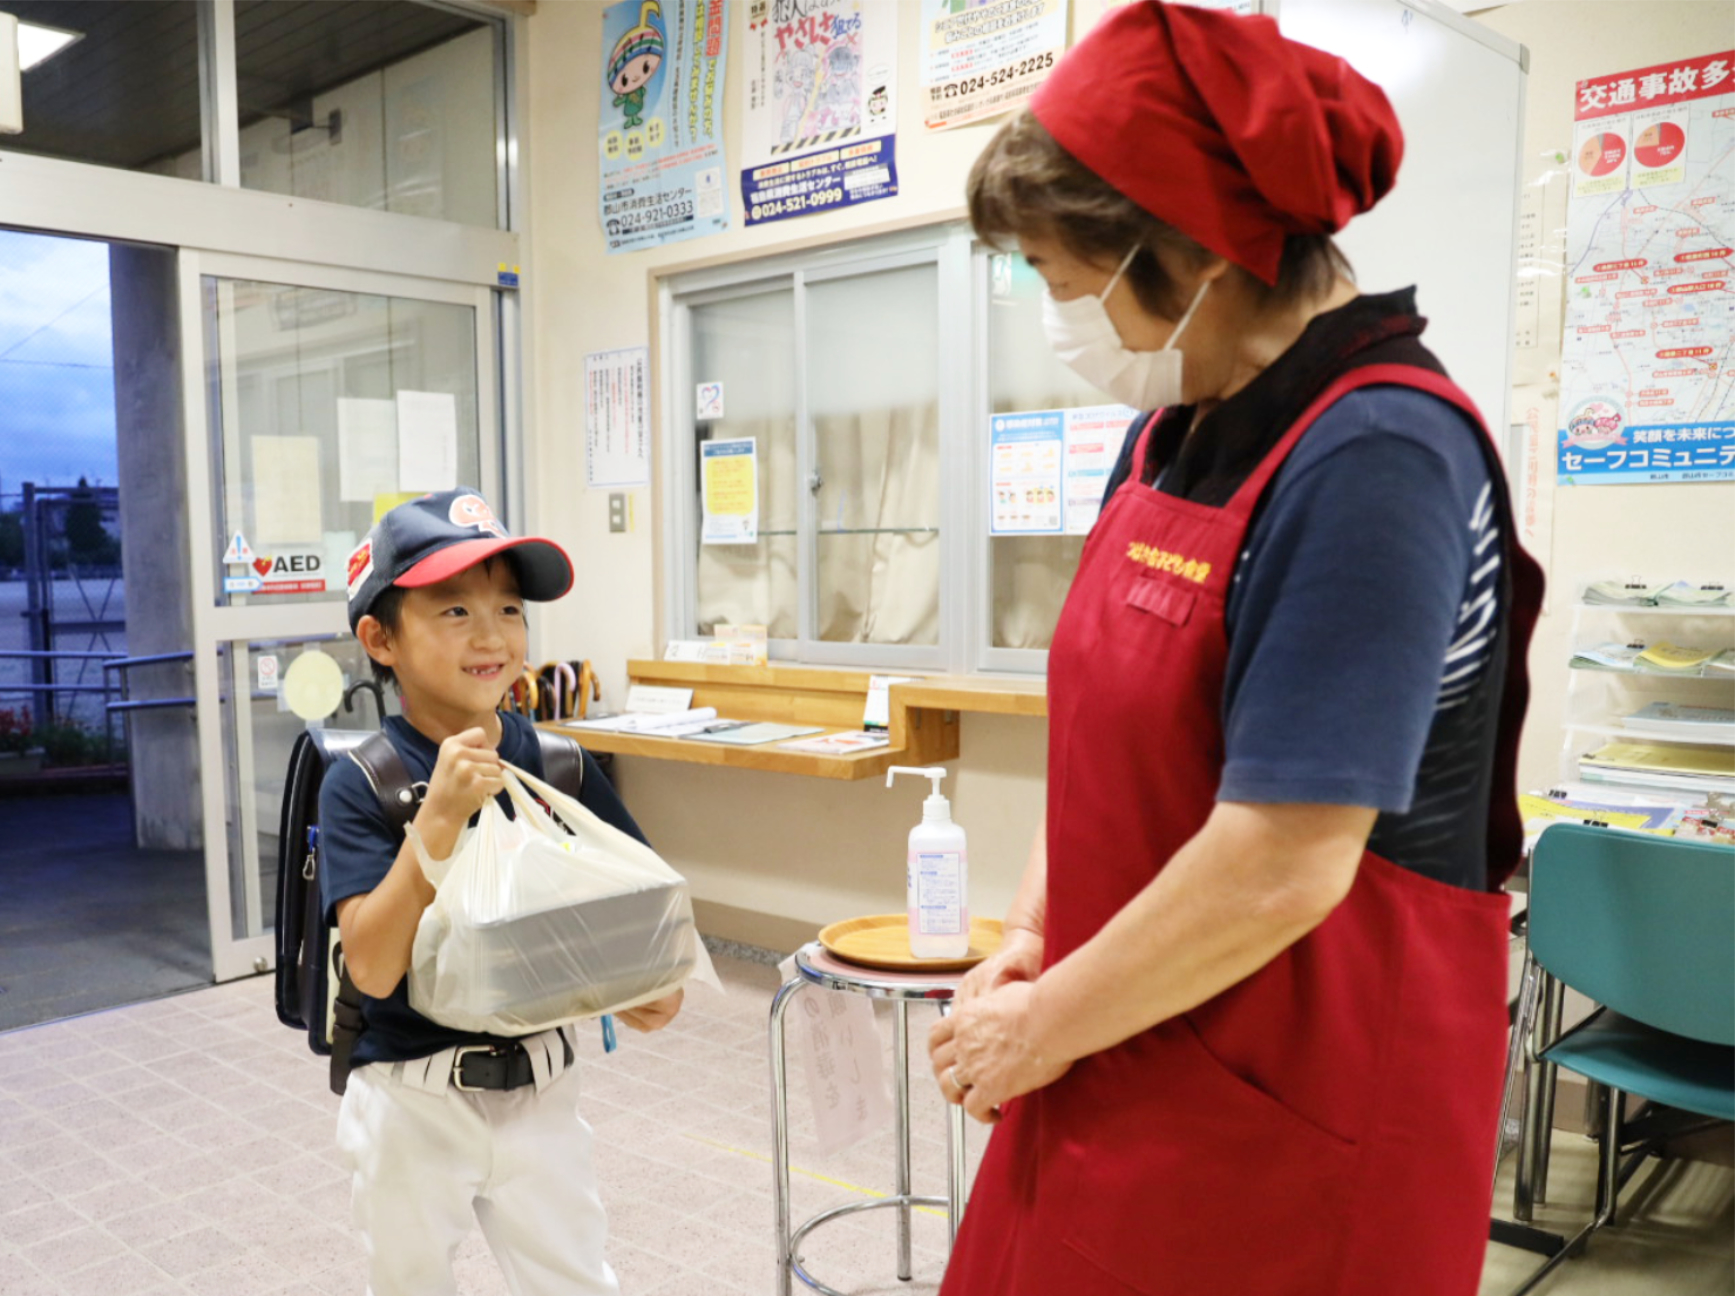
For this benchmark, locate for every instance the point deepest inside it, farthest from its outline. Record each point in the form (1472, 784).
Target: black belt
(497, 1066)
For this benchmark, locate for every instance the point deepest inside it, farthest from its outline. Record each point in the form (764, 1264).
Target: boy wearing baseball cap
(441, 1125)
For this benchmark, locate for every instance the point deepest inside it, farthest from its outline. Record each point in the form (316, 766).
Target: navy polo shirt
(357, 847)
(1365, 614)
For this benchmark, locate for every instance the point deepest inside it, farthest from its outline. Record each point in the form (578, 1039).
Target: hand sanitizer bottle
(938, 876)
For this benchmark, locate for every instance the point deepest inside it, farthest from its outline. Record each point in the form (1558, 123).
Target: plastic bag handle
(520, 785)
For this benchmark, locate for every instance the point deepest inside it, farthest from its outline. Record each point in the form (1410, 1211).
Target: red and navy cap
(427, 540)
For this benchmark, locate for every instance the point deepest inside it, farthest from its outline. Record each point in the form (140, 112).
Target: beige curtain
(881, 470)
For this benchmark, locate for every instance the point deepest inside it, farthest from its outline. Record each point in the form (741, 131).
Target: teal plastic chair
(1645, 927)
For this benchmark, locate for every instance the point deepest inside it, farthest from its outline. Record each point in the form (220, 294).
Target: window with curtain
(866, 377)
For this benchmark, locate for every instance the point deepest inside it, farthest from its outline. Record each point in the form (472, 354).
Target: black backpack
(314, 991)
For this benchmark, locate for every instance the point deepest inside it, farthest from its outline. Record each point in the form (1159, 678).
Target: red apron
(1325, 1127)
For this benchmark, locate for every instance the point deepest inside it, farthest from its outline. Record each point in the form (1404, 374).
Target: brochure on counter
(840, 744)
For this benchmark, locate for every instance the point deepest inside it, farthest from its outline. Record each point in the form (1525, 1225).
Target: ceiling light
(37, 44)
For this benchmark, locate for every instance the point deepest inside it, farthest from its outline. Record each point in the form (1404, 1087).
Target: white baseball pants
(428, 1158)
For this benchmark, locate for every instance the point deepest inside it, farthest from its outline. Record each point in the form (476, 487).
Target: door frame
(216, 626)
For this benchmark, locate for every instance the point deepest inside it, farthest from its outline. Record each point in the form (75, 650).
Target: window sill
(924, 715)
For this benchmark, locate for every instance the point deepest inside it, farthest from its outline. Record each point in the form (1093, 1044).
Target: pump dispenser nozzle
(936, 809)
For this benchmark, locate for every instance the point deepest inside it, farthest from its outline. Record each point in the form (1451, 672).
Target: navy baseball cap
(427, 540)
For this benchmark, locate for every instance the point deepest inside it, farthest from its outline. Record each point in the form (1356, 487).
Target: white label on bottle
(939, 898)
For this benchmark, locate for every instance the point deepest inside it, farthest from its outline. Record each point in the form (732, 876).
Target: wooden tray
(883, 941)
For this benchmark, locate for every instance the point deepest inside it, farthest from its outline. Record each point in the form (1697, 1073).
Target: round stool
(815, 967)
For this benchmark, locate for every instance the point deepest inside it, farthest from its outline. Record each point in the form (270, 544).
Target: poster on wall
(981, 58)
(820, 113)
(1647, 391)
(660, 133)
(729, 490)
(617, 418)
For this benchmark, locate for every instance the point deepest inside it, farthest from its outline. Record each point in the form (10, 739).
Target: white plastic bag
(532, 926)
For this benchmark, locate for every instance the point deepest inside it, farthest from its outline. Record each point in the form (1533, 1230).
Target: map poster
(660, 133)
(981, 58)
(1647, 381)
(818, 131)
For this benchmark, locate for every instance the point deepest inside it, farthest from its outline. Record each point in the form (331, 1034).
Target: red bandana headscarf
(1223, 128)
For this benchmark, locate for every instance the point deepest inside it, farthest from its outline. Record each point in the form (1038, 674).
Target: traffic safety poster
(1647, 379)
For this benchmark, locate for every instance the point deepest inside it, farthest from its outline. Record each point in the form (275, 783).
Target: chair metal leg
(955, 1164)
(901, 1074)
(780, 1131)
(1523, 1023)
(1553, 1007)
(1531, 1184)
(1610, 1177)
(1608, 1183)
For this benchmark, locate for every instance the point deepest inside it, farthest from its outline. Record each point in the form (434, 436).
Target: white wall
(816, 851)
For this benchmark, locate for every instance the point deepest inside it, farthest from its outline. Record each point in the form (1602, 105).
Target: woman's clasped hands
(984, 1052)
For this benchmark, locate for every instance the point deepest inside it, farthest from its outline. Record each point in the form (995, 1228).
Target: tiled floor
(185, 1146)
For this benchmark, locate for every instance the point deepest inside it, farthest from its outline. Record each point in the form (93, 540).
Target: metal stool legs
(955, 1171)
(780, 1130)
(901, 1079)
(903, 1200)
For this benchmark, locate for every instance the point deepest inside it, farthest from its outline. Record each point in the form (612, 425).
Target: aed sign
(291, 573)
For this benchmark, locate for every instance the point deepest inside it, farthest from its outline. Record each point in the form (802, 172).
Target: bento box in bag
(538, 921)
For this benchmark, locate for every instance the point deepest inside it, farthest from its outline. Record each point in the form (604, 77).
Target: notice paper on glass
(1025, 468)
(285, 492)
(367, 449)
(1094, 435)
(730, 490)
(427, 441)
(617, 418)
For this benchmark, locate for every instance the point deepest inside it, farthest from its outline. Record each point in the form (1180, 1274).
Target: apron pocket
(1174, 1175)
(1170, 602)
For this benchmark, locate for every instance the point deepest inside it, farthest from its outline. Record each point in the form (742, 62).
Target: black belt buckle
(502, 1066)
(495, 1077)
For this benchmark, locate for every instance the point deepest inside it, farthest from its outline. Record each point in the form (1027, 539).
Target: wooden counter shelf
(924, 715)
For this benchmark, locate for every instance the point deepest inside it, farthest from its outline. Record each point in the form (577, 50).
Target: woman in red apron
(1247, 1031)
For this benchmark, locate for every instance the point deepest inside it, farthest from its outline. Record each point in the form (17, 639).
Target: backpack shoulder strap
(389, 778)
(396, 790)
(562, 761)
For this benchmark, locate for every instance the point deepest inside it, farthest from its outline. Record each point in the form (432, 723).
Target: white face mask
(1085, 339)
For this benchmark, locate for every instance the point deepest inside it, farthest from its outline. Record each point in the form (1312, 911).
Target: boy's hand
(654, 1015)
(468, 772)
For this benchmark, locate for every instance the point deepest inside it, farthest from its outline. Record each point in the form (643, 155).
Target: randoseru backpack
(314, 992)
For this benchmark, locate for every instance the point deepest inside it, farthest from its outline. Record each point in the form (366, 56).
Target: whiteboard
(1450, 226)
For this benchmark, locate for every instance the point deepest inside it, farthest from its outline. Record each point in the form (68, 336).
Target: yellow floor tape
(809, 1174)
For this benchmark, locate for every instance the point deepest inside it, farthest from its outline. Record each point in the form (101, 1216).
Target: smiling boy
(441, 1125)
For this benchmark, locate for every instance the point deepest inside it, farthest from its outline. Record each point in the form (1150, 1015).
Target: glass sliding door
(327, 399)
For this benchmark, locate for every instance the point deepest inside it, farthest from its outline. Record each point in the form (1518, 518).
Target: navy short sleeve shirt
(357, 847)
